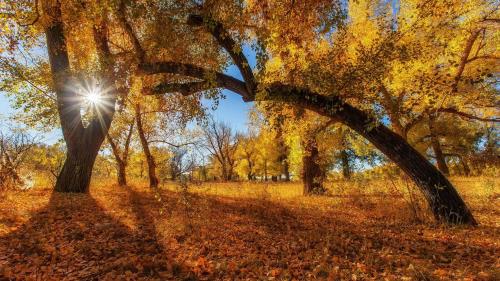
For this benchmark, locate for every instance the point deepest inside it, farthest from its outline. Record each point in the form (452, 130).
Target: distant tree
(15, 148)
(221, 143)
(119, 138)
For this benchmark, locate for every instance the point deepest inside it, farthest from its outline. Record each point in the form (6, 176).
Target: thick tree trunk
(436, 148)
(312, 174)
(444, 201)
(346, 167)
(82, 143)
(153, 179)
(77, 169)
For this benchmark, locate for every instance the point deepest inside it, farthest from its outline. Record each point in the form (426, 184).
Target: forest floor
(239, 231)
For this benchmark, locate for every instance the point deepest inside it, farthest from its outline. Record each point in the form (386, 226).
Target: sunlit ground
(371, 230)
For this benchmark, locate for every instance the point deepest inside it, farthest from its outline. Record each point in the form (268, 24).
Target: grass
(363, 230)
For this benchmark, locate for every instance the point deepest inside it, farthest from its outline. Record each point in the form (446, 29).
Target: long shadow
(73, 238)
(265, 234)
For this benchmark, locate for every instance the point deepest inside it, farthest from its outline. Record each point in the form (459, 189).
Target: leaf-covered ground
(130, 234)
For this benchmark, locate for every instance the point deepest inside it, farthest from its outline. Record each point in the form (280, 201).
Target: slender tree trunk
(444, 201)
(122, 173)
(283, 152)
(265, 170)
(346, 167)
(286, 170)
(465, 166)
(153, 179)
(436, 147)
(121, 158)
(312, 174)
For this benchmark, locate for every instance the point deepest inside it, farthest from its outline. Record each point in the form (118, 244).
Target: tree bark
(444, 201)
(82, 143)
(153, 179)
(436, 147)
(312, 174)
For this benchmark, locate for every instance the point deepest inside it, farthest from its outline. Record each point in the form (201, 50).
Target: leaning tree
(444, 201)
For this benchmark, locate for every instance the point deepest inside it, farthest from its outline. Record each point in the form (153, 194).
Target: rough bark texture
(444, 201)
(153, 179)
(312, 174)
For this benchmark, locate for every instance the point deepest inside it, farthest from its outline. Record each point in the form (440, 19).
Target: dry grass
(362, 230)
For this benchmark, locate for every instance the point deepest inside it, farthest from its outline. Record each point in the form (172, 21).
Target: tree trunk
(265, 170)
(312, 174)
(436, 147)
(286, 170)
(121, 158)
(82, 143)
(346, 168)
(153, 180)
(283, 152)
(122, 173)
(444, 201)
(465, 166)
(76, 172)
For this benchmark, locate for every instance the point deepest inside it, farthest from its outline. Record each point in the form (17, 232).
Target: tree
(14, 151)
(119, 138)
(443, 199)
(82, 142)
(221, 143)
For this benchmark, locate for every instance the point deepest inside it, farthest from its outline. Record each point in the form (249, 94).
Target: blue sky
(231, 110)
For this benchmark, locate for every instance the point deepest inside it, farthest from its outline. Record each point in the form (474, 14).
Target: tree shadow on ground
(256, 238)
(74, 238)
(82, 237)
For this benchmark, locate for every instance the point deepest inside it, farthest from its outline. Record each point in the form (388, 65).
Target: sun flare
(94, 96)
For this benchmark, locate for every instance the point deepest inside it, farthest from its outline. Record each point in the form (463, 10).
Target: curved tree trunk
(153, 179)
(312, 174)
(444, 201)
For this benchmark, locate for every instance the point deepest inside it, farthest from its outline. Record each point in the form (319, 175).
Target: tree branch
(229, 44)
(185, 89)
(122, 17)
(467, 115)
(222, 80)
